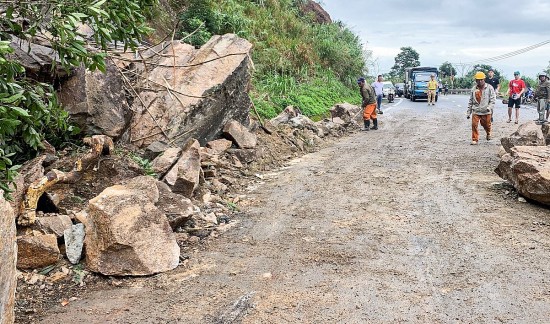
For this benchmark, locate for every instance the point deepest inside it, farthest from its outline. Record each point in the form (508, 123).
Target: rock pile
(526, 164)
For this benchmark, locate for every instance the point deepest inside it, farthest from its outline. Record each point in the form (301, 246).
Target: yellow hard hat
(479, 76)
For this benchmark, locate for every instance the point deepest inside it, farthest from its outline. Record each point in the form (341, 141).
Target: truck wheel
(413, 99)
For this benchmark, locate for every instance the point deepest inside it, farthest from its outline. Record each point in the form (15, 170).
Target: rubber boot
(367, 125)
(375, 123)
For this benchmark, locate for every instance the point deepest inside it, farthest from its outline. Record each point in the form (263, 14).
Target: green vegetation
(29, 111)
(298, 62)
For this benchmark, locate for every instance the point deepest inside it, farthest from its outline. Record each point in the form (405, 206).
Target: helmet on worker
(543, 74)
(479, 76)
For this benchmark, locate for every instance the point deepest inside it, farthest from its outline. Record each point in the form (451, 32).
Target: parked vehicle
(399, 89)
(416, 82)
(528, 97)
(387, 88)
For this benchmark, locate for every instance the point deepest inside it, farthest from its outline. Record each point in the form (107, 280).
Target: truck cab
(416, 82)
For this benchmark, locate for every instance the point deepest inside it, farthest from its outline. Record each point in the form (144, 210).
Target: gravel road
(407, 224)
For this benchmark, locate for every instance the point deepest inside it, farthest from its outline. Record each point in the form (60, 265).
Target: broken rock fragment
(74, 242)
(184, 176)
(240, 135)
(34, 252)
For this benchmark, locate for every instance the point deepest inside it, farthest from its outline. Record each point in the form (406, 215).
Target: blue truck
(416, 82)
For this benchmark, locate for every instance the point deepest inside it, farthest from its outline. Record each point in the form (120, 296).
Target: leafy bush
(29, 110)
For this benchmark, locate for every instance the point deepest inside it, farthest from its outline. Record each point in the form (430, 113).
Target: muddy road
(407, 224)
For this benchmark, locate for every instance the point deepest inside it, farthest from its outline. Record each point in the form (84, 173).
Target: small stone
(267, 275)
(220, 145)
(240, 135)
(54, 224)
(74, 242)
(35, 252)
(522, 200)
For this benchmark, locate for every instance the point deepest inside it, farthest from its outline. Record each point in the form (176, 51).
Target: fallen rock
(240, 135)
(36, 252)
(528, 134)
(245, 155)
(302, 122)
(8, 261)
(346, 112)
(165, 161)
(96, 101)
(56, 224)
(36, 59)
(74, 242)
(184, 176)
(155, 149)
(285, 116)
(546, 133)
(178, 209)
(209, 88)
(30, 172)
(127, 235)
(527, 168)
(219, 145)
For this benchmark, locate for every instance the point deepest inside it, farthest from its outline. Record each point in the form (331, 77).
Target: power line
(507, 55)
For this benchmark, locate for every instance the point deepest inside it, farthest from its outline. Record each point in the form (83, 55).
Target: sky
(458, 31)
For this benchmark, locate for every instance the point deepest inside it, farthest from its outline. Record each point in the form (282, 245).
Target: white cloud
(450, 30)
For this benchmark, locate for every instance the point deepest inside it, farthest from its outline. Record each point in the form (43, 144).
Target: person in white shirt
(379, 90)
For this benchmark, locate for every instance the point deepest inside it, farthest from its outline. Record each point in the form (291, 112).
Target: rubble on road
(528, 134)
(526, 162)
(527, 168)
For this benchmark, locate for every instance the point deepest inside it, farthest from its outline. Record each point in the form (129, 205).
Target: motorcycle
(391, 95)
(528, 97)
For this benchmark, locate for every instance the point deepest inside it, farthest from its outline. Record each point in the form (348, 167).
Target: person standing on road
(368, 105)
(494, 82)
(480, 107)
(379, 90)
(542, 94)
(516, 88)
(432, 89)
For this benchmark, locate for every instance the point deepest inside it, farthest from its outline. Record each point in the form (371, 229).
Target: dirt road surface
(407, 224)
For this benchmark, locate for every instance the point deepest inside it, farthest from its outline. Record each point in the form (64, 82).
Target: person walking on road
(432, 89)
(480, 107)
(494, 82)
(368, 105)
(516, 88)
(379, 90)
(542, 94)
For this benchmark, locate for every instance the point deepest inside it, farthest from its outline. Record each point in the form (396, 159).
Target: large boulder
(195, 93)
(126, 234)
(184, 176)
(96, 101)
(37, 251)
(527, 168)
(528, 134)
(8, 257)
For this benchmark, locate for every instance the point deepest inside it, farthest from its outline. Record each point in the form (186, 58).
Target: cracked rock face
(208, 87)
(8, 259)
(126, 234)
